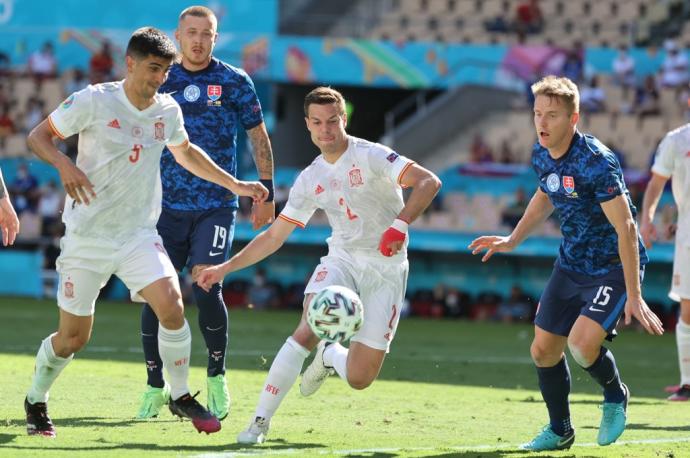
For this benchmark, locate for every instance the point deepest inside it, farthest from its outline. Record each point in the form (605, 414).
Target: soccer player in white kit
(673, 160)
(113, 203)
(359, 186)
(9, 223)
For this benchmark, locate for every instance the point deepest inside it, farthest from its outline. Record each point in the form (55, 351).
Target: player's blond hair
(324, 96)
(561, 88)
(199, 11)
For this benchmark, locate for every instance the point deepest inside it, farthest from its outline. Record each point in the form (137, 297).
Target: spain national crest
(356, 178)
(568, 184)
(214, 92)
(159, 130)
(69, 290)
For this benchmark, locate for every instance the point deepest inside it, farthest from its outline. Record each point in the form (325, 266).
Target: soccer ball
(335, 314)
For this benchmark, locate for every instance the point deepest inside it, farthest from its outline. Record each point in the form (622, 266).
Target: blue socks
(149, 339)
(213, 322)
(554, 383)
(605, 372)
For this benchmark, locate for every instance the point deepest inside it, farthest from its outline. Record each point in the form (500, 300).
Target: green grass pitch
(448, 388)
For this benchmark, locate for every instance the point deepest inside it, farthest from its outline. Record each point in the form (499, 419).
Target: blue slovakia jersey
(577, 183)
(214, 101)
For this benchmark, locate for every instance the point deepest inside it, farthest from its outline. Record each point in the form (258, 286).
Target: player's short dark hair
(561, 88)
(149, 41)
(198, 11)
(324, 96)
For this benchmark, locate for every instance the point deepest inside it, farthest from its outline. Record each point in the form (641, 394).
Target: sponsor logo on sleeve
(392, 157)
(68, 102)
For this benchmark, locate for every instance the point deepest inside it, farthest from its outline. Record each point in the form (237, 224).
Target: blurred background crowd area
(445, 82)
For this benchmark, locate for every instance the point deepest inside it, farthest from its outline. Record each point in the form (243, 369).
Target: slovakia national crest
(355, 178)
(568, 184)
(214, 92)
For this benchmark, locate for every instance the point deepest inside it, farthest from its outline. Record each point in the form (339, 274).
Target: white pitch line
(500, 360)
(466, 448)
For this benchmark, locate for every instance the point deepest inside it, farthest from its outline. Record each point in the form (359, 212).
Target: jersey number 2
(136, 149)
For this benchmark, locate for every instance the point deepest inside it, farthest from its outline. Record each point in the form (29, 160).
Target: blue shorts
(570, 294)
(197, 237)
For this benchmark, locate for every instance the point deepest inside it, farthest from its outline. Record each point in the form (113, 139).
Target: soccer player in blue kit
(198, 218)
(597, 275)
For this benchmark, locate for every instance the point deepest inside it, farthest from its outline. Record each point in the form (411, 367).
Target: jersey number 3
(136, 149)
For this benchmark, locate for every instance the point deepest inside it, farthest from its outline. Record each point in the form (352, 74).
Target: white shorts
(680, 286)
(380, 284)
(85, 265)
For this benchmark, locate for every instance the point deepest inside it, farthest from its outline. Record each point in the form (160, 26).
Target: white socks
(683, 341)
(174, 347)
(281, 376)
(48, 367)
(335, 356)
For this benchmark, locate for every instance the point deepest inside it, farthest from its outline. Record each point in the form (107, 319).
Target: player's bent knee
(359, 382)
(542, 356)
(66, 345)
(305, 337)
(171, 317)
(584, 353)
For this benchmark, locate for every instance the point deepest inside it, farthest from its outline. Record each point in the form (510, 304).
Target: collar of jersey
(211, 65)
(576, 137)
(350, 145)
(121, 94)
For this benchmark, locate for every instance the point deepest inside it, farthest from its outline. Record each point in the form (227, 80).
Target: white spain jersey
(673, 160)
(360, 194)
(119, 151)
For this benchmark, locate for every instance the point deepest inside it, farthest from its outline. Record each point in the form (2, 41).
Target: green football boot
(152, 400)
(218, 397)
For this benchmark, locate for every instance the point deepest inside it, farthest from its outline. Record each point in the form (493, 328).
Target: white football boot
(256, 433)
(317, 372)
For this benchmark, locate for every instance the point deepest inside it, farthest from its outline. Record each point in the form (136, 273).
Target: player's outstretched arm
(194, 159)
(425, 185)
(262, 246)
(618, 213)
(9, 223)
(264, 212)
(651, 199)
(75, 182)
(538, 209)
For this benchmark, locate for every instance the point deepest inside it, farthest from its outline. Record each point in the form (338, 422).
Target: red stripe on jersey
(402, 172)
(293, 221)
(54, 129)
